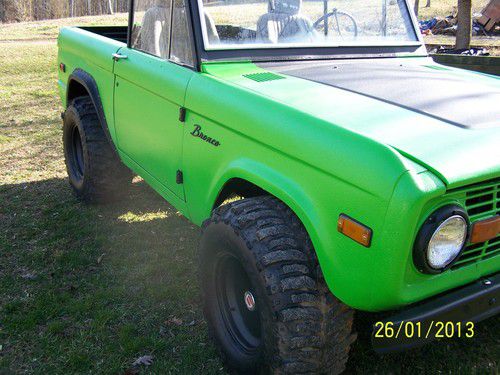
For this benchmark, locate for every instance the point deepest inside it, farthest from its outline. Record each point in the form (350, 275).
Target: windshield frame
(287, 52)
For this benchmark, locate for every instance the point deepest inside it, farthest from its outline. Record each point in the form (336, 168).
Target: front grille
(481, 202)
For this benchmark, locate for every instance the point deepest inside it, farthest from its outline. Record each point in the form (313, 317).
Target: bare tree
(28, 10)
(10, 11)
(3, 11)
(41, 9)
(464, 24)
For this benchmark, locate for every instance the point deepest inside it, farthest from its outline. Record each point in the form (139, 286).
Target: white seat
(283, 22)
(155, 30)
(213, 35)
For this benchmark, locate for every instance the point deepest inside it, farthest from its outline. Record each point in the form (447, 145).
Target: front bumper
(420, 324)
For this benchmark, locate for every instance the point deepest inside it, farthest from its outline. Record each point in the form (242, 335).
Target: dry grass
(444, 8)
(49, 29)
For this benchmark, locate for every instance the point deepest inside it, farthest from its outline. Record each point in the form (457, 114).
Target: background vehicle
(358, 191)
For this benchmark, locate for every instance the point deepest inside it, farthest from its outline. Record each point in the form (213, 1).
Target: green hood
(446, 119)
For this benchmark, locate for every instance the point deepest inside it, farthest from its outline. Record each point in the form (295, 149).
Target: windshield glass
(240, 24)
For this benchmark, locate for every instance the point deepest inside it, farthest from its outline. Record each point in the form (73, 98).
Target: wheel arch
(81, 83)
(250, 178)
(237, 187)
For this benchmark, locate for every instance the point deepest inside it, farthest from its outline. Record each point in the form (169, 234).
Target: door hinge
(179, 178)
(182, 114)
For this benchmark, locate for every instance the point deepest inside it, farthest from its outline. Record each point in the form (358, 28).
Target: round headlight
(447, 242)
(441, 239)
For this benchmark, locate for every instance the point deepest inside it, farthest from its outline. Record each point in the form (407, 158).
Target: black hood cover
(460, 98)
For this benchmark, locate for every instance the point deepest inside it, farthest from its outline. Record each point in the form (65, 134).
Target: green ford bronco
(332, 165)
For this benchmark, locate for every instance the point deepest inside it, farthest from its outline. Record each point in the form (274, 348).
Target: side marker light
(354, 230)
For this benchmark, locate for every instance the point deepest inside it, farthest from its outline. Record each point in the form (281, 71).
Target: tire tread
(106, 177)
(314, 328)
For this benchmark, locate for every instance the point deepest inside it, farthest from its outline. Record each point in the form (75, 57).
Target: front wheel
(266, 303)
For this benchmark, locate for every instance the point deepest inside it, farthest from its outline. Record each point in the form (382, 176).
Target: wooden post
(464, 24)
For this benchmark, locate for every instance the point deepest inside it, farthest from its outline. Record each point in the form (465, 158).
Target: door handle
(117, 57)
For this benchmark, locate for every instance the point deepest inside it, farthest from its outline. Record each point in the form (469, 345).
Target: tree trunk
(3, 11)
(46, 10)
(428, 5)
(464, 24)
(110, 7)
(416, 7)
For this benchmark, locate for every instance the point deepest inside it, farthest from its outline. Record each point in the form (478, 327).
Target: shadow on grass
(91, 288)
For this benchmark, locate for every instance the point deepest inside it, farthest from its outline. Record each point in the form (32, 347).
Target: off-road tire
(96, 174)
(304, 328)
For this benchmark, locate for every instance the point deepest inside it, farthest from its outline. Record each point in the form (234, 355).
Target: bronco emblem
(198, 133)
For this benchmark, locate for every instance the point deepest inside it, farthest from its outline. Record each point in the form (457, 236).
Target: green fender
(276, 184)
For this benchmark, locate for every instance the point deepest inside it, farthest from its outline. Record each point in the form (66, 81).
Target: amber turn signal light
(485, 230)
(354, 230)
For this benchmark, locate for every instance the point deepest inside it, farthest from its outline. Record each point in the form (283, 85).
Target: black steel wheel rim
(76, 155)
(242, 324)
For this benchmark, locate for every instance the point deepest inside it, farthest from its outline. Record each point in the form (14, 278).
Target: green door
(151, 82)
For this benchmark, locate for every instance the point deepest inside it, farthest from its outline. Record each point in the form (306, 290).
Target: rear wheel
(266, 303)
(95, 172)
